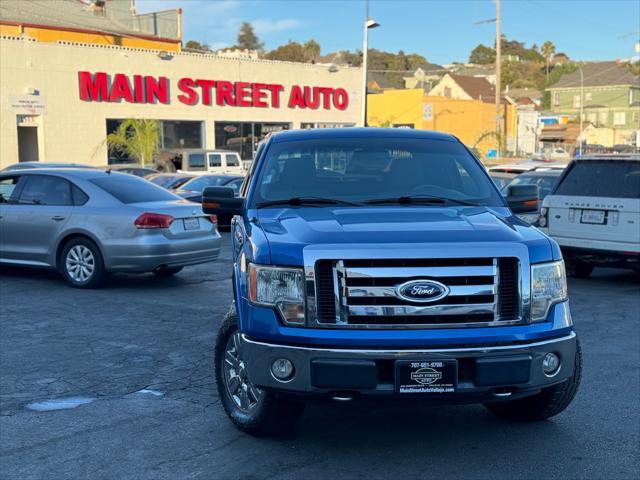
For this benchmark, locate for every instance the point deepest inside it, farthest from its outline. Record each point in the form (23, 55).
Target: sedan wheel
(81, 263)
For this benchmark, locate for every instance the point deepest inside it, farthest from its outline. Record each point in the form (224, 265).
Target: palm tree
(136, 138)
(548, 49)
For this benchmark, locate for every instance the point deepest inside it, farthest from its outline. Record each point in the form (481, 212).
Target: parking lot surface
(117, 383)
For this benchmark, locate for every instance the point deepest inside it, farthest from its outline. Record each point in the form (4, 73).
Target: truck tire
(254, 411)
(546, 404)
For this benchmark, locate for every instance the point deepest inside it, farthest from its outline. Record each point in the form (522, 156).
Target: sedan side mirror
(217, 200)
(523, 198)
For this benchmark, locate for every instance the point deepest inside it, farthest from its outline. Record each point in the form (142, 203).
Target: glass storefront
(305, 126)
(173, 135)
(181, 134)
(243, 137)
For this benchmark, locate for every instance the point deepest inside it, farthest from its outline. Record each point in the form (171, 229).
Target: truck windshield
(363, 170)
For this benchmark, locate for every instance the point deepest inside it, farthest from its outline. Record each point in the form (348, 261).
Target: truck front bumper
(484, 373)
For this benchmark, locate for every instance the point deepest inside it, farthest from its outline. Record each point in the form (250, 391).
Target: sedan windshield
(374, 171)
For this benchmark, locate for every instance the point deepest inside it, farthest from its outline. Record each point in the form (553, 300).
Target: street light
(368, 23)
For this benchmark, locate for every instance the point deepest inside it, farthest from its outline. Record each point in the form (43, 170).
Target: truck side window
(196, 161)
(232, 160)
(215, 160)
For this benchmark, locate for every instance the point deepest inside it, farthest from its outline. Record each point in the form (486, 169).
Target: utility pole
(581, 109)
(498, 80)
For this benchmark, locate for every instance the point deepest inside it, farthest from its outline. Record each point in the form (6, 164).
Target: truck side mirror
(523, 198)
(217, 200)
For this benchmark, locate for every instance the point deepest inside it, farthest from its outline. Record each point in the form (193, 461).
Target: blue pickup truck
(384, 263)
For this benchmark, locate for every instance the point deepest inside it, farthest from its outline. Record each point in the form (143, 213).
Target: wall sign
(28, 105)
(101, 87)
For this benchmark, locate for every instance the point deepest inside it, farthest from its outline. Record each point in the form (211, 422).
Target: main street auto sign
(101, 87)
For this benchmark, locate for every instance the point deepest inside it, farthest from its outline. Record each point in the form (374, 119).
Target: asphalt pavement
(117, 383)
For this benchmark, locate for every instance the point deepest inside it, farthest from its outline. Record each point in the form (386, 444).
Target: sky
(443, 31)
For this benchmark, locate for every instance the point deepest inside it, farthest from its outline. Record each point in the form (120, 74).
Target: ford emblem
(422, 291)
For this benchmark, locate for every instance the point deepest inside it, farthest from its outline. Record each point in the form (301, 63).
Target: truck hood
(289, 230)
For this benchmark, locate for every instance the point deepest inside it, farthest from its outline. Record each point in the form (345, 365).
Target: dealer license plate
(593, 216)
(427, 376)
(191, 224)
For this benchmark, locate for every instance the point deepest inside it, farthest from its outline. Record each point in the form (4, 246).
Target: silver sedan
(87, 223)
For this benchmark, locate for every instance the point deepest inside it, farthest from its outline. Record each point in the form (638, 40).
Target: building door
(28, 144)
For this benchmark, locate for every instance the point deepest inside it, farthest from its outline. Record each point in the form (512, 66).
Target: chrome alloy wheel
(80, 263)
(244, 394)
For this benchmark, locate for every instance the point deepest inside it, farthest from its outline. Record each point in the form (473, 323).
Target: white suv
(594, 214)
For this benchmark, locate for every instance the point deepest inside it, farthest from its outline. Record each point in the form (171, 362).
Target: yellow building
(101, 22)
(472, 121)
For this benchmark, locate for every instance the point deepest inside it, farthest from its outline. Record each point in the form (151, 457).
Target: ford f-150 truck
(384, 263)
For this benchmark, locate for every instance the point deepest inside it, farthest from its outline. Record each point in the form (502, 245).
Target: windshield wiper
(296, 201)
(419, 199)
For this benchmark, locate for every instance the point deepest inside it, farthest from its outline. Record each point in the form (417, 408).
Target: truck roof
(359, 132)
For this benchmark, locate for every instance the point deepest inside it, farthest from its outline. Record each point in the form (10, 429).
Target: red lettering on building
(93, 88)
(340, 99)
(224, 94)
(243, 94)
(205, 87)
(186, 86)
(97, 87)
(157, 89)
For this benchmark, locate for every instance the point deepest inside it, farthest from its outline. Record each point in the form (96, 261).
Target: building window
(576, 101)
(619, 118)
(591, 117)
(635, 118)
(604, 118)
(588, 97)
(556, 99)
(447, 92)
(243, 137)
(181, 134)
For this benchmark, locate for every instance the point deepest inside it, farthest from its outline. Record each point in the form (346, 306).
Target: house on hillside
(462, 87)
(101, 22)
(488, 72)
(424, 76)
(610, 98)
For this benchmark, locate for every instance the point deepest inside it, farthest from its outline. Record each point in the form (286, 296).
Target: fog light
(282, 369)
(550, 364)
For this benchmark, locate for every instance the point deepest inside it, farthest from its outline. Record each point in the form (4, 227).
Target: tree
(311, 51)
(291, 52)
(194, 45)
(139, 139)
(548, 49)
(247, 39)
(482, 55)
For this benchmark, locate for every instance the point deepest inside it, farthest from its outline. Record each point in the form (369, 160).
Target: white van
(594, 213)
(197, 162)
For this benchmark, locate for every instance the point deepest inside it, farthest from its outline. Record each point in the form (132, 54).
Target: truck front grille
(363, 293)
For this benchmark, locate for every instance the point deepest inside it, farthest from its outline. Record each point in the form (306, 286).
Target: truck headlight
(548, 287)
(280, 288)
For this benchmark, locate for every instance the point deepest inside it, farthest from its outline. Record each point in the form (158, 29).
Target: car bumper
(484, 374)
(161, 252)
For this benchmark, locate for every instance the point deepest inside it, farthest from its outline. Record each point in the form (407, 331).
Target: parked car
(398, 272)
(87, 223)
(137, 170)
(544, 179)
(199, 162)
(170, 181)
(594, 214)
(502, 179)
(29, 165)
(192, 191)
